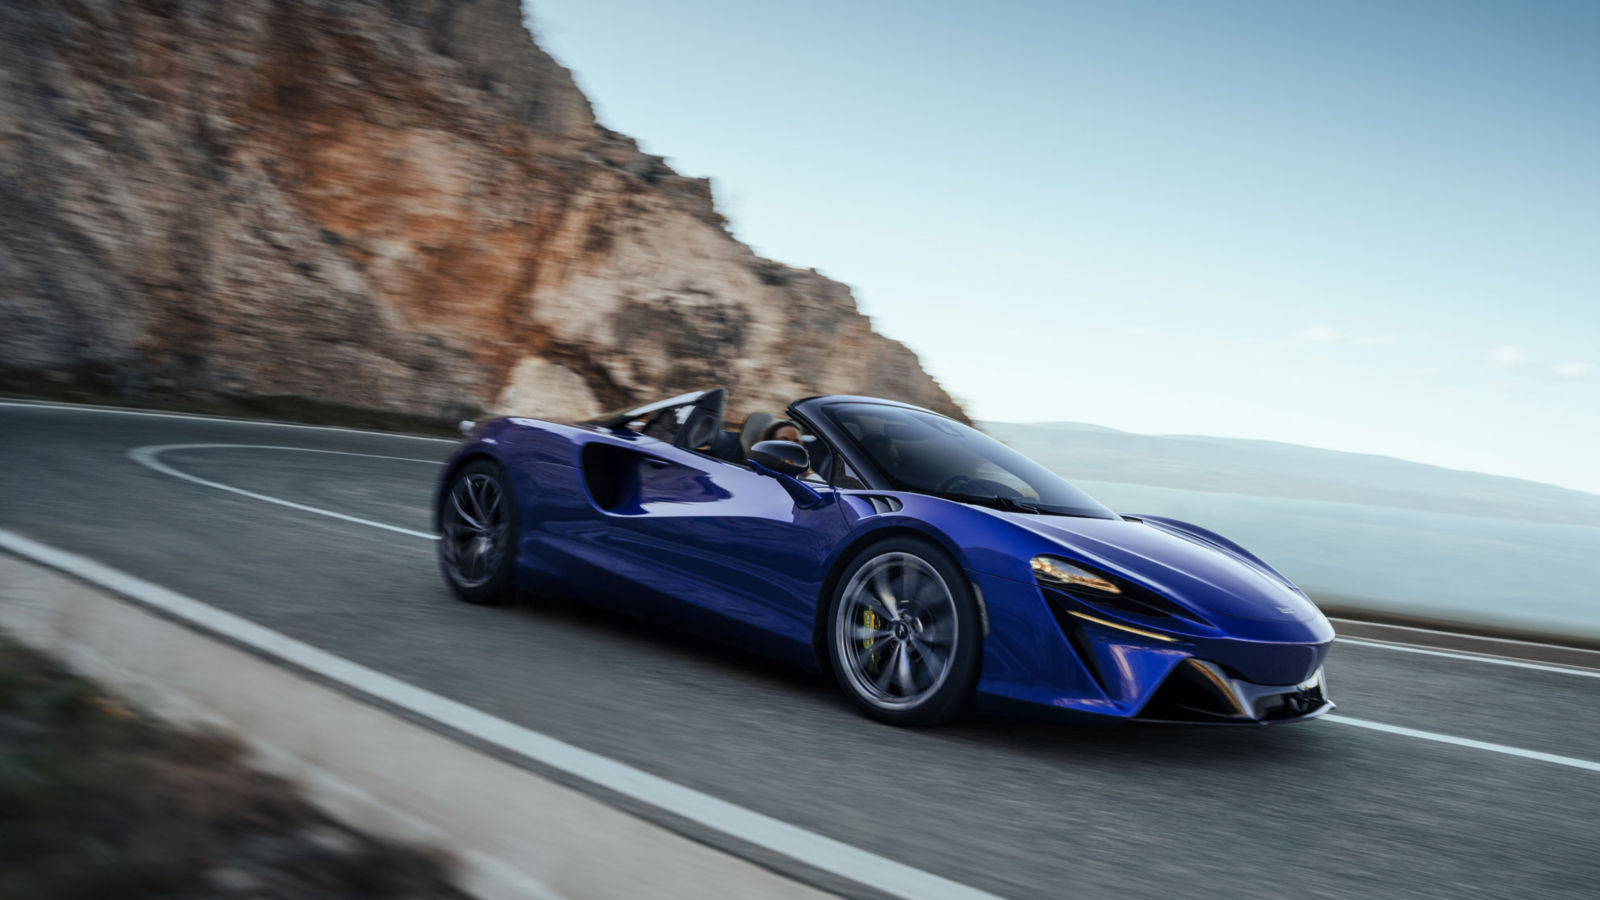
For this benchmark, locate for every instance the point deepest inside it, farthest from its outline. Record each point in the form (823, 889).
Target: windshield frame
(819, 414)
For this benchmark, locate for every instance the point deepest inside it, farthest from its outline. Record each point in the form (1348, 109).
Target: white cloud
(1510, 356)
(1318, 334)
(1513, 358)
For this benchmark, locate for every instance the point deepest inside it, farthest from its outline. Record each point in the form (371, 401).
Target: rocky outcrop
(402, 205)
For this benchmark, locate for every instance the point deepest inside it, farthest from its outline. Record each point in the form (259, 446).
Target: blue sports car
(932, 568)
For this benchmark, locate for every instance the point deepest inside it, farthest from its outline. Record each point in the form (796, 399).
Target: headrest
(751, 432)
(704, 420)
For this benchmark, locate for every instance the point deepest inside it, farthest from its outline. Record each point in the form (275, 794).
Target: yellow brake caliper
(870, 620)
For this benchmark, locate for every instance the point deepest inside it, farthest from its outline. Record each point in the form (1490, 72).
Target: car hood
(1182, 566)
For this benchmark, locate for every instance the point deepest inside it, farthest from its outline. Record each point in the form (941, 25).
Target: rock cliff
(401, 205)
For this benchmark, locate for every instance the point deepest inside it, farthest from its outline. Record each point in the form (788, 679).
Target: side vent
(881, 505)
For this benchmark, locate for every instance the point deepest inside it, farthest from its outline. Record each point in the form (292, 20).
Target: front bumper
(1040, 662)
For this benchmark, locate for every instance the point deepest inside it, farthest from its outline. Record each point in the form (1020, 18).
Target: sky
(1365, 226)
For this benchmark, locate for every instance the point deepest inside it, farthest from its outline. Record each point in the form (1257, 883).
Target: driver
(781, 430)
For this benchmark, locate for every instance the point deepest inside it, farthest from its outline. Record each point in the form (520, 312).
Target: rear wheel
(477, 529)
(903, 633)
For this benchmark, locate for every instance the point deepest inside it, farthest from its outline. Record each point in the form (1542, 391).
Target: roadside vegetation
(100, 801)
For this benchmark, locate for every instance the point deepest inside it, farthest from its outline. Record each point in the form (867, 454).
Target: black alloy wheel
(477, 533)
(904, 636)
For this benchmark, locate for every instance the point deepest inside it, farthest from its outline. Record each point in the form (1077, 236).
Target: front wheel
(477, 530)
(903, 633)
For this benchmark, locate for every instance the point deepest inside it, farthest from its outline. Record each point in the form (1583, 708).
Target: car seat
(703, 422)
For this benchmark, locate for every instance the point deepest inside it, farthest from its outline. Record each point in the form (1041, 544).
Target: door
(745, 562)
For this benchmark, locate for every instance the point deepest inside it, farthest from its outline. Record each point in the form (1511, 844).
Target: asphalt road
(1018, 809)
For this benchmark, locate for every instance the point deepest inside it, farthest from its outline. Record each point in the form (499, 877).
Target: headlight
(1119, 597)
(1055, 570)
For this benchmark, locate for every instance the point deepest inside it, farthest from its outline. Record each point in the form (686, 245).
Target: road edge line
(147, 456)
(1491, 659)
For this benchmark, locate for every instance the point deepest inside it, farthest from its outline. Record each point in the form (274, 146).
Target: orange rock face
(399, 205)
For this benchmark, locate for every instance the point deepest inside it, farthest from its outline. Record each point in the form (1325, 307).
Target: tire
(477, 534)
(904, 636)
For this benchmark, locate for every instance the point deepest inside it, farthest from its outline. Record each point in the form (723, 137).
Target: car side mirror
(783, 457)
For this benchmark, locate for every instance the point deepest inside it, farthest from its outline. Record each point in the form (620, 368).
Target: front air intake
(1197, 691)
(1201, 691)
(1072, 629)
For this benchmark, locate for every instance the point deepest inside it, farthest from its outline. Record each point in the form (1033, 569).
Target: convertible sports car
(929, 566)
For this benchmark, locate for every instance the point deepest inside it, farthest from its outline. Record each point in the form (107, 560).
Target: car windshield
(930, 454)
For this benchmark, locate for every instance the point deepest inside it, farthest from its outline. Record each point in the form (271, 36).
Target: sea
(1488, 572)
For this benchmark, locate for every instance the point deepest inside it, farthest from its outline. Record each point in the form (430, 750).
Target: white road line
(1570, 761)
(146, 456)
(158, 414)
(745, 825)
(1479, 637)
(162, 448)
(1474, 657)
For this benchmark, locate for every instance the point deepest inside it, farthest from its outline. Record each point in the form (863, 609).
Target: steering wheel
(953, 482)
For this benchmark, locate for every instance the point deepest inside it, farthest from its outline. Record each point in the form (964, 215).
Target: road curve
(1017, 809)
